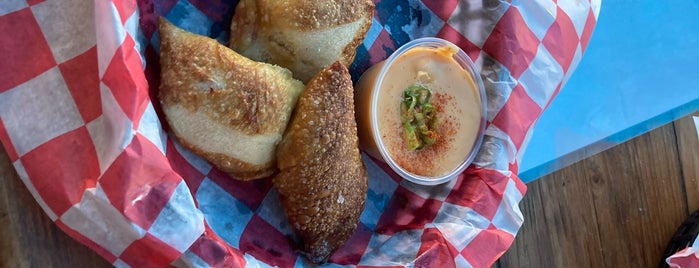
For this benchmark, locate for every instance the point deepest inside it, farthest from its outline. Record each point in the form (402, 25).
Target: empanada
(322, 180)
(227, 108)
(303, 36)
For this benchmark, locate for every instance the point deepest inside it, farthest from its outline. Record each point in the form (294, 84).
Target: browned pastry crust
(322, 180)
(229, 109)
(304, 36)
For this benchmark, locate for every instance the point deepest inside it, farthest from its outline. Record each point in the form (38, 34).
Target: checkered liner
(80, 123)
(685, 258)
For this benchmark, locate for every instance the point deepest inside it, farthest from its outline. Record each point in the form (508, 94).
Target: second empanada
(303, 36)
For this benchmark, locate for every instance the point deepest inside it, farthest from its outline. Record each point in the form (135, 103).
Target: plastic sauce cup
(456, 90)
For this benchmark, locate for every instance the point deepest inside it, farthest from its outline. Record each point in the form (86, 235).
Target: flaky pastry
(223, 106)
(303, 36)
(322, 181)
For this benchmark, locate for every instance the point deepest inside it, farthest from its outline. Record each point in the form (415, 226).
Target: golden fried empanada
(303, 36)
(322, 181)
(227, 108)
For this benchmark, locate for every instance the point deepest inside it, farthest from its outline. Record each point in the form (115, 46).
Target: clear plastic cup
(367, 103)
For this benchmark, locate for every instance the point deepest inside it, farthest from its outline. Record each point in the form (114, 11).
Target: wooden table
(616, 209)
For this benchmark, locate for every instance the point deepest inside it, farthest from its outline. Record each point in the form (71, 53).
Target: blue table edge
(609, 141)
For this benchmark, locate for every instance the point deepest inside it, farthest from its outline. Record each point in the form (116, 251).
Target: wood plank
(615, 209)
(571, 217)
(28, 238)
(639, 196)
(553, 234)
(520, 252)
(688, 147)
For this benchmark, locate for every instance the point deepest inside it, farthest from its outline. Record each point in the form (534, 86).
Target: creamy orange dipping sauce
(457, 101)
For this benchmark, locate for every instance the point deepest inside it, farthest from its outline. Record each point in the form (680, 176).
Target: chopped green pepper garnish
(419, 117)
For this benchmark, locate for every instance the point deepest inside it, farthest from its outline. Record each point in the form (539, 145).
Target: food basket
(80, 121)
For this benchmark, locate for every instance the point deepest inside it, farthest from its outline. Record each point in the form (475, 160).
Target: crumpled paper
(81, 123)
(688, 257)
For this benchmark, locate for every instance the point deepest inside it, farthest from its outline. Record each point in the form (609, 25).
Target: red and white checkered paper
(81, 125)
(686, 258)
